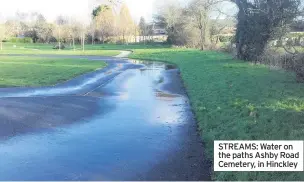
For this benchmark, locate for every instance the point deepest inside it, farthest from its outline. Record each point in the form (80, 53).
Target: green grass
(30, 71)
(47, 49)
(16, 71)
(234, 100)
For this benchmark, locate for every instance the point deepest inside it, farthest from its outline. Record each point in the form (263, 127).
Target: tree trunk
(83, 42)
(59, 40)
(239, 46)
(73, 43)
(202, 38)
(93, 33)
(93, 37)
(135, 36)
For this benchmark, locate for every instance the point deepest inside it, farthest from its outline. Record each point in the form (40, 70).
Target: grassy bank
(234, 100)
(37, 71)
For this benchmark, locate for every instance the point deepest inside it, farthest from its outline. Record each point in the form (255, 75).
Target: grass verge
(234, 100)
(16, 71)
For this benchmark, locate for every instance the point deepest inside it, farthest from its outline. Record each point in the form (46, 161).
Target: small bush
(229, 48)
(226, 38)
(20, 40)
(57, 46)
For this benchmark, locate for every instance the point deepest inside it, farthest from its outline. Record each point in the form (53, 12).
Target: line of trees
(110, 26)
(198, 23)
(258, 24)
(107, 25)
(35, 27)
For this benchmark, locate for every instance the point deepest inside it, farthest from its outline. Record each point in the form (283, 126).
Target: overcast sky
(78, 8)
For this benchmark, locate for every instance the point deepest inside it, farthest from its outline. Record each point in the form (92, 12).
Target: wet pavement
(130, 121)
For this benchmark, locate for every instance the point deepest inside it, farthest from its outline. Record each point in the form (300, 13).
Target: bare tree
(74, 30)
(60, 22)
(171, 15)
(200, 11)
(83, 31)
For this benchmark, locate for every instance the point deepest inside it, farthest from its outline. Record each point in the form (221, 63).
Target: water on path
(143, 127)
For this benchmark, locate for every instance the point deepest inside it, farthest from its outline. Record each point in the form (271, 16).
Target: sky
(80, 9)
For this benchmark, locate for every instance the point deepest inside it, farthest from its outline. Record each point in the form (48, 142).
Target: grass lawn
(47, 49)
(32, 71)
(234, 100)
(37, 71)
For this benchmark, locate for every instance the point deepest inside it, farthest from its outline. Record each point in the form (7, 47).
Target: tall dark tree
(260, 21)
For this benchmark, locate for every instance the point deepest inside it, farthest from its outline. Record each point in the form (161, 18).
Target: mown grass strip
(234, 100)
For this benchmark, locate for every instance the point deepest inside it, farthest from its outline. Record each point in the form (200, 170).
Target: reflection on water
(118, 145)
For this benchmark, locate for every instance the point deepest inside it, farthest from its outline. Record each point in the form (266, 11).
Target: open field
(37, 71)
(234, 100)
(19, 48)
(29, 71)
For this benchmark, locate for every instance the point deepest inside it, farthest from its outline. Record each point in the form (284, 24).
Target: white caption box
(258, 155)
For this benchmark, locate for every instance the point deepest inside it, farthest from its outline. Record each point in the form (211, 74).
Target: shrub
(20, 40)
(290, 62)
(225, 38)
(57, 46)
(296, 63)
(229, 48)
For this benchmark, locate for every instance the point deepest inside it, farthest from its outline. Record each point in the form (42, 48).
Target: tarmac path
(129, 121)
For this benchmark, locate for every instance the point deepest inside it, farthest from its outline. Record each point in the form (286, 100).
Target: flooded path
(131, 121)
